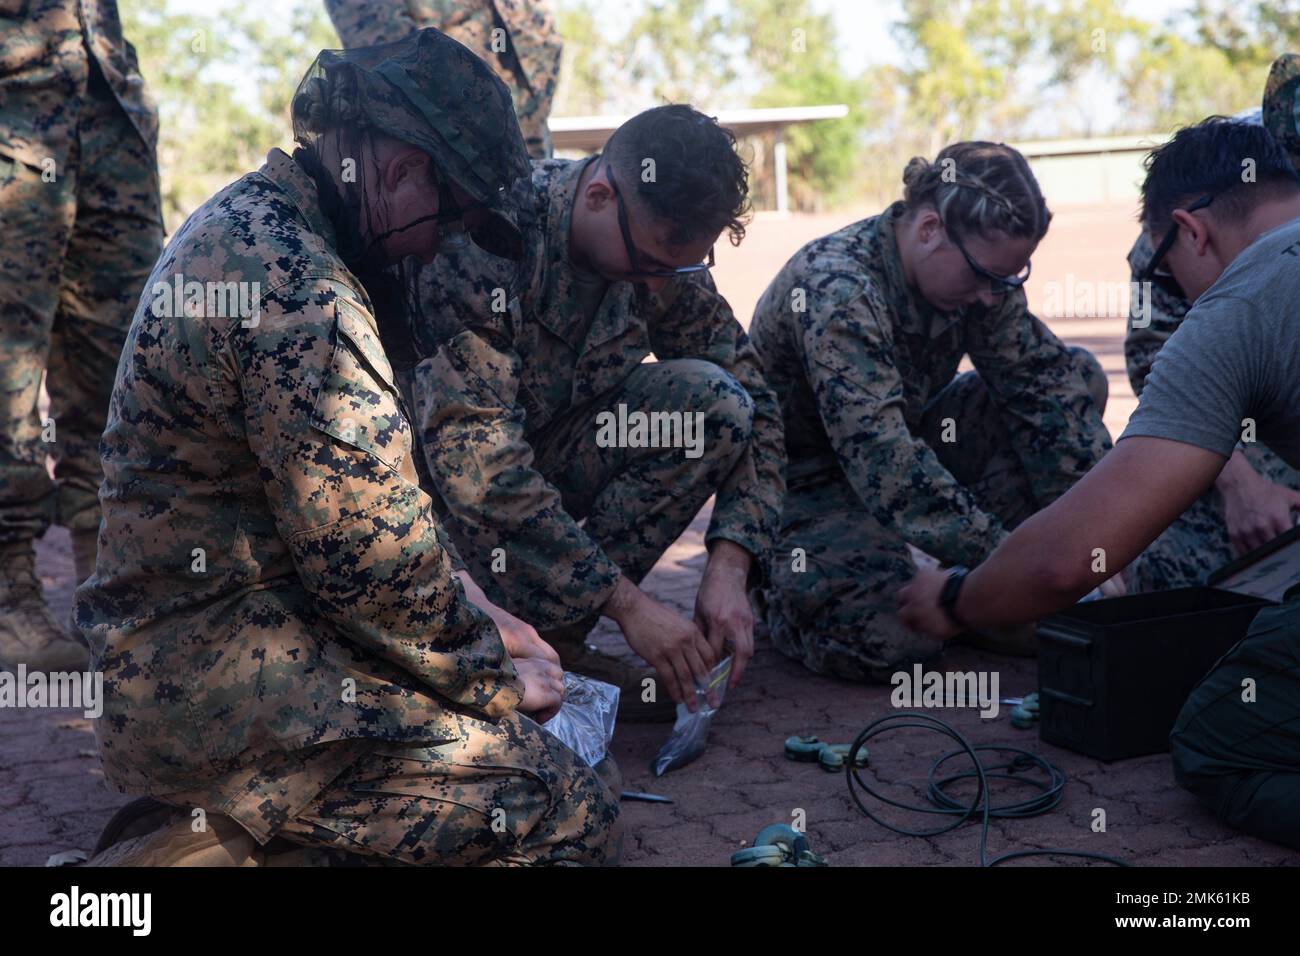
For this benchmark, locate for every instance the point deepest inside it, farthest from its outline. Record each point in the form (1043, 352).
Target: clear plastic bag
(691, 731)
(585, 722)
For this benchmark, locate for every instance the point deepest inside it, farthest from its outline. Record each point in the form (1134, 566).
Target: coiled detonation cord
(1051, 790)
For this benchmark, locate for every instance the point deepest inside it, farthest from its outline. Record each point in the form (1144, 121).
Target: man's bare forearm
(1089, 533)
(729, 559)
(1236, 474)
(624, 598)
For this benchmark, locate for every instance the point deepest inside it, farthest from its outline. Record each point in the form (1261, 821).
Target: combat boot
(580, 657)
(148, 833)
(29, 633)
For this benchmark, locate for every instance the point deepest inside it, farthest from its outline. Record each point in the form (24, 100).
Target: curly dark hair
(700, 184)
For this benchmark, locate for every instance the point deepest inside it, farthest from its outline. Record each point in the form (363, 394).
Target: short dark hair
(979, 188)
(700, 184)
(1209, 158)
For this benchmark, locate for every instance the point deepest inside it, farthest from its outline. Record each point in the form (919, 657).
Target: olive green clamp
(778, 845)
(831, 756)
(1025, 714)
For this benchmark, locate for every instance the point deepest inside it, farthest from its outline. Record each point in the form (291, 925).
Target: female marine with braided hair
(861, 334)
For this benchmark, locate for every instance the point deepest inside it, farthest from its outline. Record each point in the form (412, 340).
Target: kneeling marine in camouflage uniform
(522, 365)
(280, 634)
(861, 334)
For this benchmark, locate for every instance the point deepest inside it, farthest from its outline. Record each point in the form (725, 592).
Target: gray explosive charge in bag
(691, 731)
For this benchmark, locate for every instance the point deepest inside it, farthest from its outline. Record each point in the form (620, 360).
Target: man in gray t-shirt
(1232, 370)
(1254, 497)
(1223, 202)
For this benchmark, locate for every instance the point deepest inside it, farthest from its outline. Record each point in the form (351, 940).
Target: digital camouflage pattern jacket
(856, 356)
(269, 573)
(510, 346)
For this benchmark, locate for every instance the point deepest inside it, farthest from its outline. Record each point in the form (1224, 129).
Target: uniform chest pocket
(358, 402)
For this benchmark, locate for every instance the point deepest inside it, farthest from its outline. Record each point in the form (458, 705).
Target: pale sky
(866, 37)
(864, 34)
(864, 30)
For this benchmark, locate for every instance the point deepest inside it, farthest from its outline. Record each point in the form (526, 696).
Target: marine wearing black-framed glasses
(633, 260)
(998, 285)
(1166, 279)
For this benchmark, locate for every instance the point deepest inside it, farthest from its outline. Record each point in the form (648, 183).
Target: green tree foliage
(1216, 63)
(744, 53)
(1004, 69)
(200, 69)
(583, 88)
(793, 49)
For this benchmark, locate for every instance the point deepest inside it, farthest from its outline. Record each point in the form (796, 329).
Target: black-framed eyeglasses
(633, 261)
(449, 210)
(999, 285)
(486, 231)
(1166, 279)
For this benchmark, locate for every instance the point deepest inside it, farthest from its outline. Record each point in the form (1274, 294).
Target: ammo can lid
(1269, 571)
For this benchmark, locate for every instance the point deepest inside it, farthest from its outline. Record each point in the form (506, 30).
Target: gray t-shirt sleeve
(1208, 377)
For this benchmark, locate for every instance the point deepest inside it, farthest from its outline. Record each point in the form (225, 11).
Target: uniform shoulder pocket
(357, 402)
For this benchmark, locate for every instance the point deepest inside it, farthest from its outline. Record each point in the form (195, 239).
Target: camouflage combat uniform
(80, 228)
(1197, 544)
(281, 637)
(525, 54)
(506, 404)
(887, 449)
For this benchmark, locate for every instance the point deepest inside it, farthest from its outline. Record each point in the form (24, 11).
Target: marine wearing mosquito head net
(432, 93)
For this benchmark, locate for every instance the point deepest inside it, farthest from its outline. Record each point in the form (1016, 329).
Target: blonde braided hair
(979, 187)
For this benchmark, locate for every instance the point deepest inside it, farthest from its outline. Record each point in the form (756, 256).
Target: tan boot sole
(221, 843)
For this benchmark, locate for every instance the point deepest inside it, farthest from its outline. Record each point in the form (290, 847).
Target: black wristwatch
(948, 596)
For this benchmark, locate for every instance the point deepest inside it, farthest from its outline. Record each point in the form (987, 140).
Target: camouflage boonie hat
(430, 91)
(1282, 104)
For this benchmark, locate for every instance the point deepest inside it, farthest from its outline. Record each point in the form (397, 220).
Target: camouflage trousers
(77, 242)
(1241, 755)
(504, 794)
(480, 28)
(836, 611)
(532, 106)
(1197, 543)
(636, 502)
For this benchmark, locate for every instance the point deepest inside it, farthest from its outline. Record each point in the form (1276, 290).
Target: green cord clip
(1025, 714)
(809, 749)
(778, 844)
(833, 756)
(803, 749)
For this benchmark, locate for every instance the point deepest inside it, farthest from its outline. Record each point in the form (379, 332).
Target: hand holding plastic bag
(691, 731)
(585, 722)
